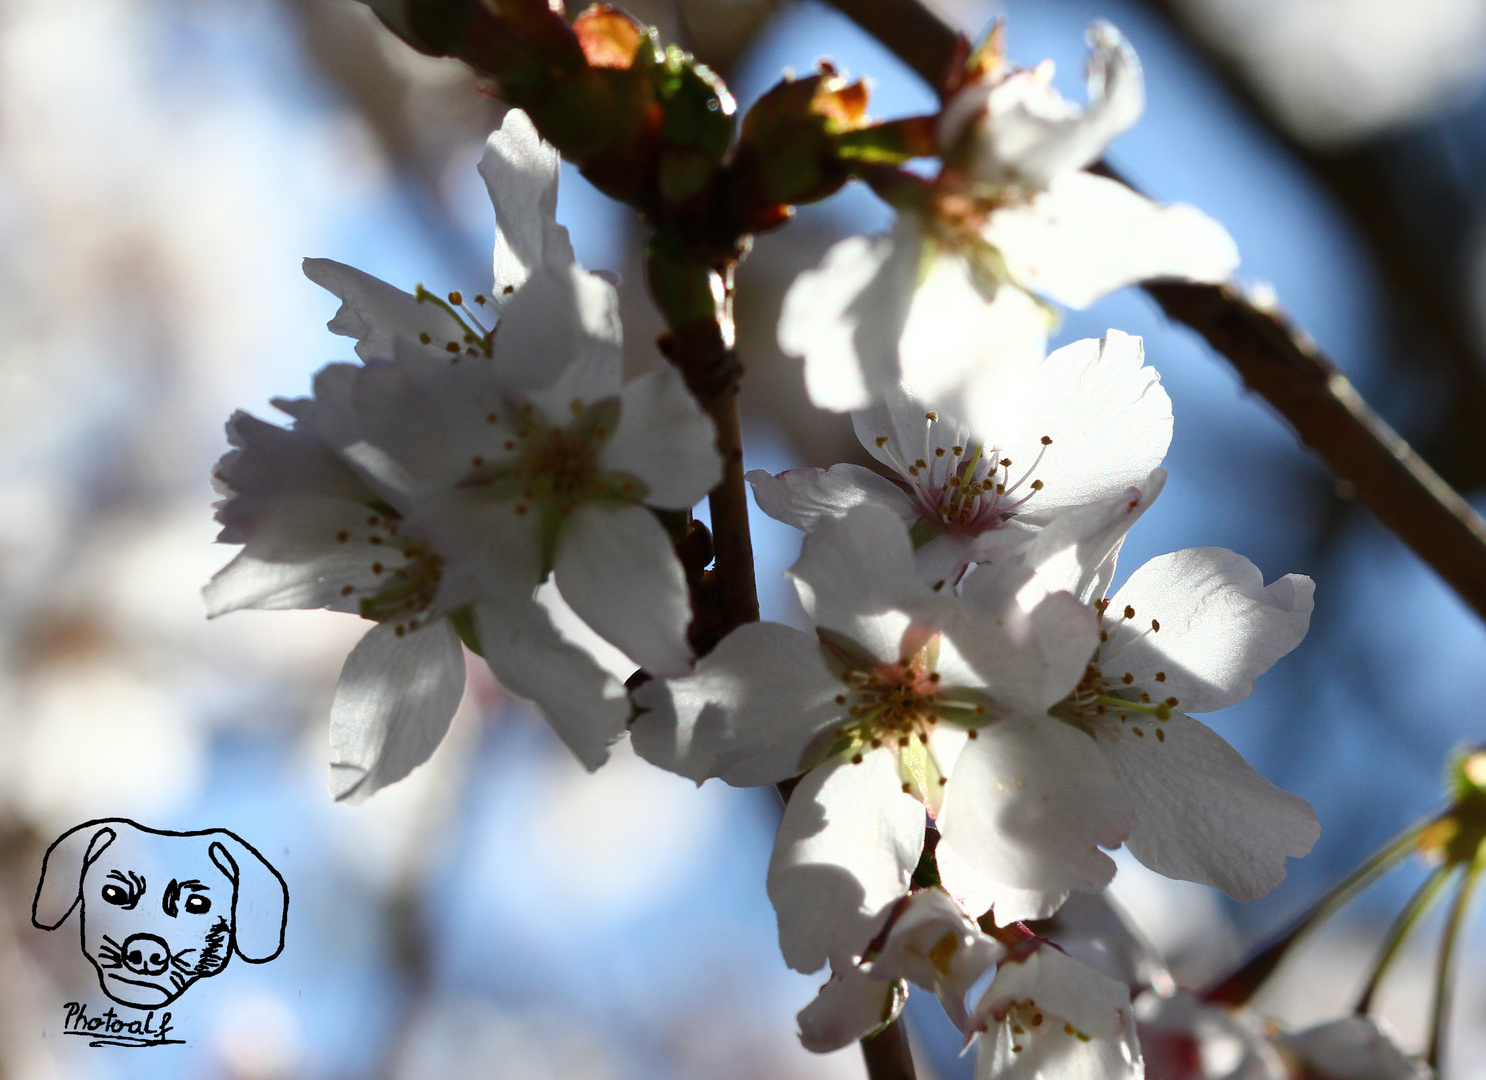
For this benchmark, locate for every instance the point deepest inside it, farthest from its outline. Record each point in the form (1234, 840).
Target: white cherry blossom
(1350, 1048)
(955, 303)
(876, 708)
(433, 487)
(1046, 1016)
(929, 942)
(1097, 422)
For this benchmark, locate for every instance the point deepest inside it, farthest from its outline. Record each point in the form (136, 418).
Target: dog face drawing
(159, 910)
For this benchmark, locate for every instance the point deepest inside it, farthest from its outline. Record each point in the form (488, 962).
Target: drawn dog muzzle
(146, 954)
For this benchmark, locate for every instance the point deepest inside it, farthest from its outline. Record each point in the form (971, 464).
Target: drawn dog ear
(61, 884)
(260, 899)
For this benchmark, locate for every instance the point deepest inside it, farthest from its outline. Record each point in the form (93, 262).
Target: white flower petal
(976, 893)
(933, 944)
(1086, 236)
(585, 705)
(856, 576)
(1221, 626)
(520, 171)
(294, 558)
(805, 497)
(1028, 133)
(848, 1007)
(377, 314)
(847, 845)
(970, 355)
(1073, 992)
(1031, 802)
(1226, 1045)
(747, 714)
(396, 696)
(1201, 813)
(666, 440)
(1029, 660)
(560, 340)
(1107, 416)
(269, 465)
(617, 570)
(844, 318)
(1044, 991)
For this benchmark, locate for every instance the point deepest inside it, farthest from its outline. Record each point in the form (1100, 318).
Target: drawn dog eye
(196, 904)
(115, 895)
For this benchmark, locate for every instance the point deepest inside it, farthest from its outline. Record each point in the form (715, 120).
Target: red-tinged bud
(610, 38)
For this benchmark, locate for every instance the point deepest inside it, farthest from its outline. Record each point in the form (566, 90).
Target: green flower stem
(1417, 907)
(1444, 981)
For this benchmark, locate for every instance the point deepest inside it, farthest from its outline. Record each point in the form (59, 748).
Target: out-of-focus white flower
(953, 303)
(1188, 632)
(1097, 423)
(432, 488)
(1351, 1048)
(930, 942)
(1046, 1016)
(1336, 71)
(1184, 1038)
(877, 707)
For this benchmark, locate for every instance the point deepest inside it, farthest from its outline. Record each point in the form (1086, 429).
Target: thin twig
(1417, 907)
(1277, 360)
(1444, 983)
(888, 1055)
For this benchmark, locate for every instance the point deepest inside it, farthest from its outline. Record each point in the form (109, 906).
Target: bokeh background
(164, 165)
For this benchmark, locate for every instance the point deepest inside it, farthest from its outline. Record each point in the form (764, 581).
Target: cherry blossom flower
(876, 707)
(954, 303)
(930, 942)
(1350, 1048)
(433, 487)
(1188, 632)
(1185, 1038)
(1047, 1016)
(1098, 422)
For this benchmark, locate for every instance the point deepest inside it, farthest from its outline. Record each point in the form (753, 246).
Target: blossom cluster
(972, 718)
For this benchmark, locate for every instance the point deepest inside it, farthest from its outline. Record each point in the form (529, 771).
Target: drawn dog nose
(145, 954)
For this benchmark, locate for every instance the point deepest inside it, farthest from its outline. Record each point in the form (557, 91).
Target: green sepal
(893, 1002)
(892, 143)
(463, 621)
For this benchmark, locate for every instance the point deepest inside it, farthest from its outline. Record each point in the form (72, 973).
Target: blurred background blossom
(164, 165)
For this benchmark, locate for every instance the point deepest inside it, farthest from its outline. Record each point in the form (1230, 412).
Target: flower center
(898, 706)
(1103, 697)
(403, 593)
(962, 489)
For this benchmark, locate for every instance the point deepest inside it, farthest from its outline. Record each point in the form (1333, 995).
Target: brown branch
(887, 1054)
(1278, 361)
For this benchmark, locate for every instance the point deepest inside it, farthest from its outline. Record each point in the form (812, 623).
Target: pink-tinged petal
(845, 317)
(847, 845)
(585, 705)
(1179, 1031)
(520, 172)
(1107, 419)
(976, 893)
(618, 571)
(377, 315)
(1031, 803)
(270, 464)
(1353, 1048)
(295, 557)
(747, 714)
(855, 576)
(806, 497)
(1220, 626)
(1027, 133)
(1201, 813)
(1086, 236)
(560, 340)
(848, 1007)
(970, 347)
(666, 440)
(396, 696)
